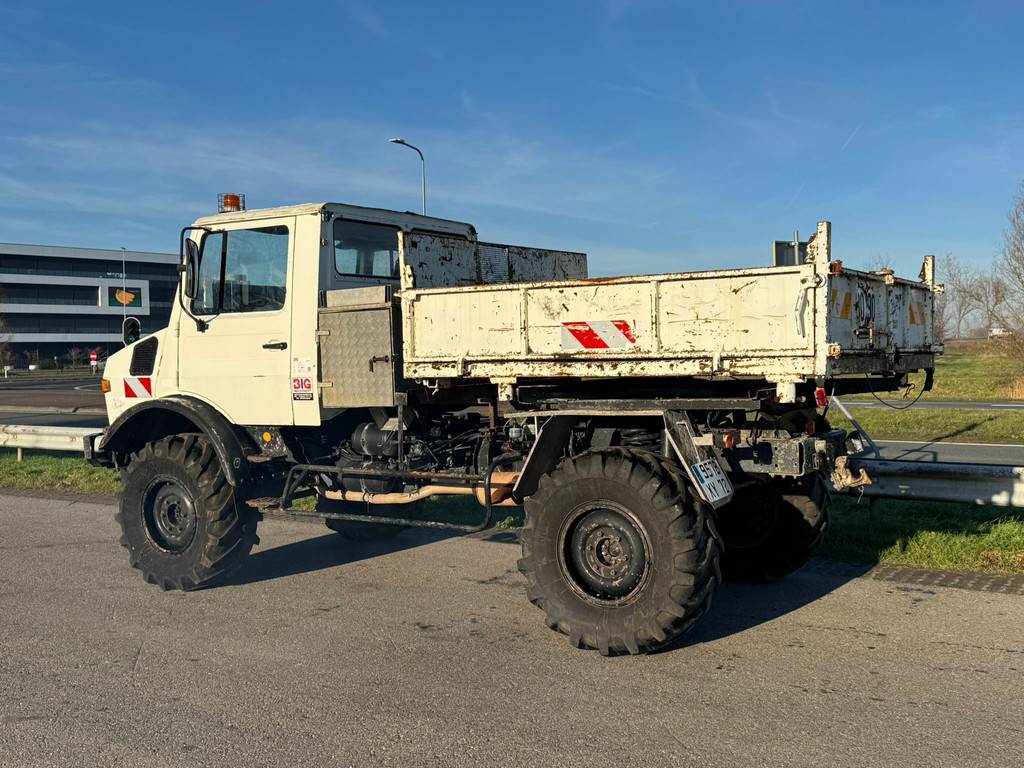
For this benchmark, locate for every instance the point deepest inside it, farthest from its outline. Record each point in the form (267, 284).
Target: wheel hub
(604, 553)
(170, 515)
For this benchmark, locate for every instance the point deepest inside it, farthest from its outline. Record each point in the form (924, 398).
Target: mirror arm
(201, 325)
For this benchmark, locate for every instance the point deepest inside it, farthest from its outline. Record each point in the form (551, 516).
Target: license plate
(713, 483)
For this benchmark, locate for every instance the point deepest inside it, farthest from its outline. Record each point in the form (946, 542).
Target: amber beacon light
(230, 201)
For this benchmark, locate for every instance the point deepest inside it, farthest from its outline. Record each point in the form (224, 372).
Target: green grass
(921, 534)
(953, 537)
(973, 370)
(982, 370)
(56, 472)
(957, 426)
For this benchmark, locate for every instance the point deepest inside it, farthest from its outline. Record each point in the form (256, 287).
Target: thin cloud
(367, 18)
(850, 137)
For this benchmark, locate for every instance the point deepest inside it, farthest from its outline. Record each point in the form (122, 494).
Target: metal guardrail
(996, 484)
(20, 437)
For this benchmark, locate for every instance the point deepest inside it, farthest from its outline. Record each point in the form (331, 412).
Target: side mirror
(188, 268)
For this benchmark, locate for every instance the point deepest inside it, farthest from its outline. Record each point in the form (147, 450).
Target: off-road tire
(771, 529)
(680, 560)
(211, 539)
(354, 531)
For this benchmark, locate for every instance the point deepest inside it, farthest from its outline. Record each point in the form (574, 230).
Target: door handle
(276, 345)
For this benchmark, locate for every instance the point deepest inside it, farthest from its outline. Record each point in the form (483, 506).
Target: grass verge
(976, 370)
(56, 472)
(951, 537)
(921, 534)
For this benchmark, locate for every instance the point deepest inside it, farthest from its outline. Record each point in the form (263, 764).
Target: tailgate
(869, 313)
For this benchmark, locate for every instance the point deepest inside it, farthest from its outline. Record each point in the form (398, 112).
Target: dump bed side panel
(749, 322)
(776, 323)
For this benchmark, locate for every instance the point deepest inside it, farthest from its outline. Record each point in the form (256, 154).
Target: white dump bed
(777, 323)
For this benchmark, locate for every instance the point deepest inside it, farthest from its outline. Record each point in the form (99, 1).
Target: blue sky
(656, 136)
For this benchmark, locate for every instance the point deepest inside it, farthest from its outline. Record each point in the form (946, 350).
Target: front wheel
(178, 515)
(617, 552)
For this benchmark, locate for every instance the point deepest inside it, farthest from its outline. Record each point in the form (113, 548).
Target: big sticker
(302, 388)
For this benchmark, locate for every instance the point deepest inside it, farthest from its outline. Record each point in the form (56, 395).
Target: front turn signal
(104, 386)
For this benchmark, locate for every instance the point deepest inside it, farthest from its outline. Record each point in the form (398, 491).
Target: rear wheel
(178, 515)
(617, 553)
(771, 529)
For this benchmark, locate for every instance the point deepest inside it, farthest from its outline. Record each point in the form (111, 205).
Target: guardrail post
(21, 454)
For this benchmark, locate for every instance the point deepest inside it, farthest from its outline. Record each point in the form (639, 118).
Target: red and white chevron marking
(598, 334)
(138, 386)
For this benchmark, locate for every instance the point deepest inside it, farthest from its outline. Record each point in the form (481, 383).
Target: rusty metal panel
(527, 265)
(435, 261)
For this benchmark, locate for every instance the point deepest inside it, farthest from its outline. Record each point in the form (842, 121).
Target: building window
(28, 293)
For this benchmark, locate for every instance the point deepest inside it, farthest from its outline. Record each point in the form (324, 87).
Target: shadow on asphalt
(738, 606)
(326, 551)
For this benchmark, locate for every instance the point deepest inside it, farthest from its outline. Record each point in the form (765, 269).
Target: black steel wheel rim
(604, 553)
(169, 512)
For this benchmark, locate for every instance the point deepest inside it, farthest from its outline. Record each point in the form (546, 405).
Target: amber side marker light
(104, 385)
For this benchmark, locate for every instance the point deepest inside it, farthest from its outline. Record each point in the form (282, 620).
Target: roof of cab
(406, 220)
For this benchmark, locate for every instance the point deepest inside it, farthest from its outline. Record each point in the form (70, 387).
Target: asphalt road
(426, 652)
(15, 383)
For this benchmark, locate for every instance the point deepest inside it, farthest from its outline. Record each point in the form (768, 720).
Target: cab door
(240, 362)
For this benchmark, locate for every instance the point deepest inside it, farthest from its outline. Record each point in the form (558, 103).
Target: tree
(959, 301)
(75, 355)
(1009, 271)
(878, 263)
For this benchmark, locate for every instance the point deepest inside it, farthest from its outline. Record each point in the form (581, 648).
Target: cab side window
(365, 250)
(242, 270)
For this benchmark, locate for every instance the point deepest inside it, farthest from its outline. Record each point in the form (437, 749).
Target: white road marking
(929, 442)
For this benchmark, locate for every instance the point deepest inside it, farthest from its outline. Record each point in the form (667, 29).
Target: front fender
(153, 419)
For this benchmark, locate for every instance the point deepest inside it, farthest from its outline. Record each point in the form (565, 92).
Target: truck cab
(243, 339)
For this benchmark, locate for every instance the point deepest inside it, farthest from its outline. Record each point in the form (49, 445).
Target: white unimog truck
(658, 430)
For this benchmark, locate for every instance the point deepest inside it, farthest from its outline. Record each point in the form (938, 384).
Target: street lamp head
(423, 165)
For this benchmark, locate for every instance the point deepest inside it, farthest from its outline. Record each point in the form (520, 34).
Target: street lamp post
(423, 169)
(124, 291)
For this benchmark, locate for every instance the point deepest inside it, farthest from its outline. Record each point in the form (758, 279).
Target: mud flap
(701, 463)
